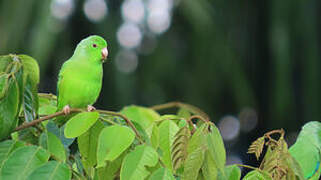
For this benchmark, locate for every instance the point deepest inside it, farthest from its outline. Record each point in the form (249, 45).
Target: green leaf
(209, 168)
(11, 87)
(80, 123)
(22, 162)
(257, 175)
(88, 143)
(167, 131)
(163, 174)
(113, 140)
(110, 170)
(30, 69)
(216, 147)
(231, 172)
(31, 81)
(196, 151)
(59, 132)
(134, 164)
(182, 123)
(155, 137)
(141, 131)
(28, 135)
(30, 102)
(42, 141)
(184, 113)
(78, 163)
(141, 115)
(47, 104)
(193, 164)
(6, 147)
(55, 147)
(5, 62)
(198, 139)
(52, 170)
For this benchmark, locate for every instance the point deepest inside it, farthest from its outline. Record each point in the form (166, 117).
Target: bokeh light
(160, 5)
(129, 35)
(133, 10)
(229, 127)
(61, 9)
(95, 10)
(126, 61)
(158, 21)
(248, 119)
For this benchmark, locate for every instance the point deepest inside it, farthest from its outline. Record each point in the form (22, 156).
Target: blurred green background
(252, 65)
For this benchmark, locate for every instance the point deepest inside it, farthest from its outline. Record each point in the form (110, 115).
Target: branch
(189, 121)
(277, 131)
(201, 118)
(129, 123)
(247, 166)
(191, 108)
(75, 110)
(37, 121)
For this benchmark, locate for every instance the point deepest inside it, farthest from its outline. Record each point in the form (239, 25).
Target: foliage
(135, 143)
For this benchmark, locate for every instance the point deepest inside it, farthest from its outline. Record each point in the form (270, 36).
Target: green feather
(307, 148)
(80, 78)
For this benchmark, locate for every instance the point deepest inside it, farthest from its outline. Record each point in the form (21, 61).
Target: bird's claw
(90, 108)
(66, 110)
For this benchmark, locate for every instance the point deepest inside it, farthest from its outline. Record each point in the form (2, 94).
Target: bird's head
(94, 48)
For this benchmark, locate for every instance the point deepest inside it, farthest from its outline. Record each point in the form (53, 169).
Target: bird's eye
(94, 45)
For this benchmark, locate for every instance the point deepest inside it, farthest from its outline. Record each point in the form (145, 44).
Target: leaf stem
(191, 108)
(247, 166)
(107, 120)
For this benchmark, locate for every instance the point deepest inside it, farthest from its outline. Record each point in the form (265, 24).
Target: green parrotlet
(80, 77)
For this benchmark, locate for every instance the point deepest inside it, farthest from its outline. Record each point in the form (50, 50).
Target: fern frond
(257, 147)
(179, 147)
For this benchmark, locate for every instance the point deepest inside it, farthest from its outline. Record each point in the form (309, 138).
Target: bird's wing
(60, 82)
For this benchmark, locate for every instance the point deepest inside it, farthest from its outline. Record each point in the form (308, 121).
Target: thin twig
(254, 168)
(199, 117)
(189, 121)
(125, 118)
(277, 131)
(191, 108)
(109, 121)
(247, 166)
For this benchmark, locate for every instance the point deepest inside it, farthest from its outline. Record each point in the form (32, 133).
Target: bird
(307, 150)
(80, 77)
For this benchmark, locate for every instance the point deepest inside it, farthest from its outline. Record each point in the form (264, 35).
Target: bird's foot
(66, 109)
(90, 108)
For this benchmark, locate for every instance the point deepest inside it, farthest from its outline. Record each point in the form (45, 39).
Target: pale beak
(104, 53)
